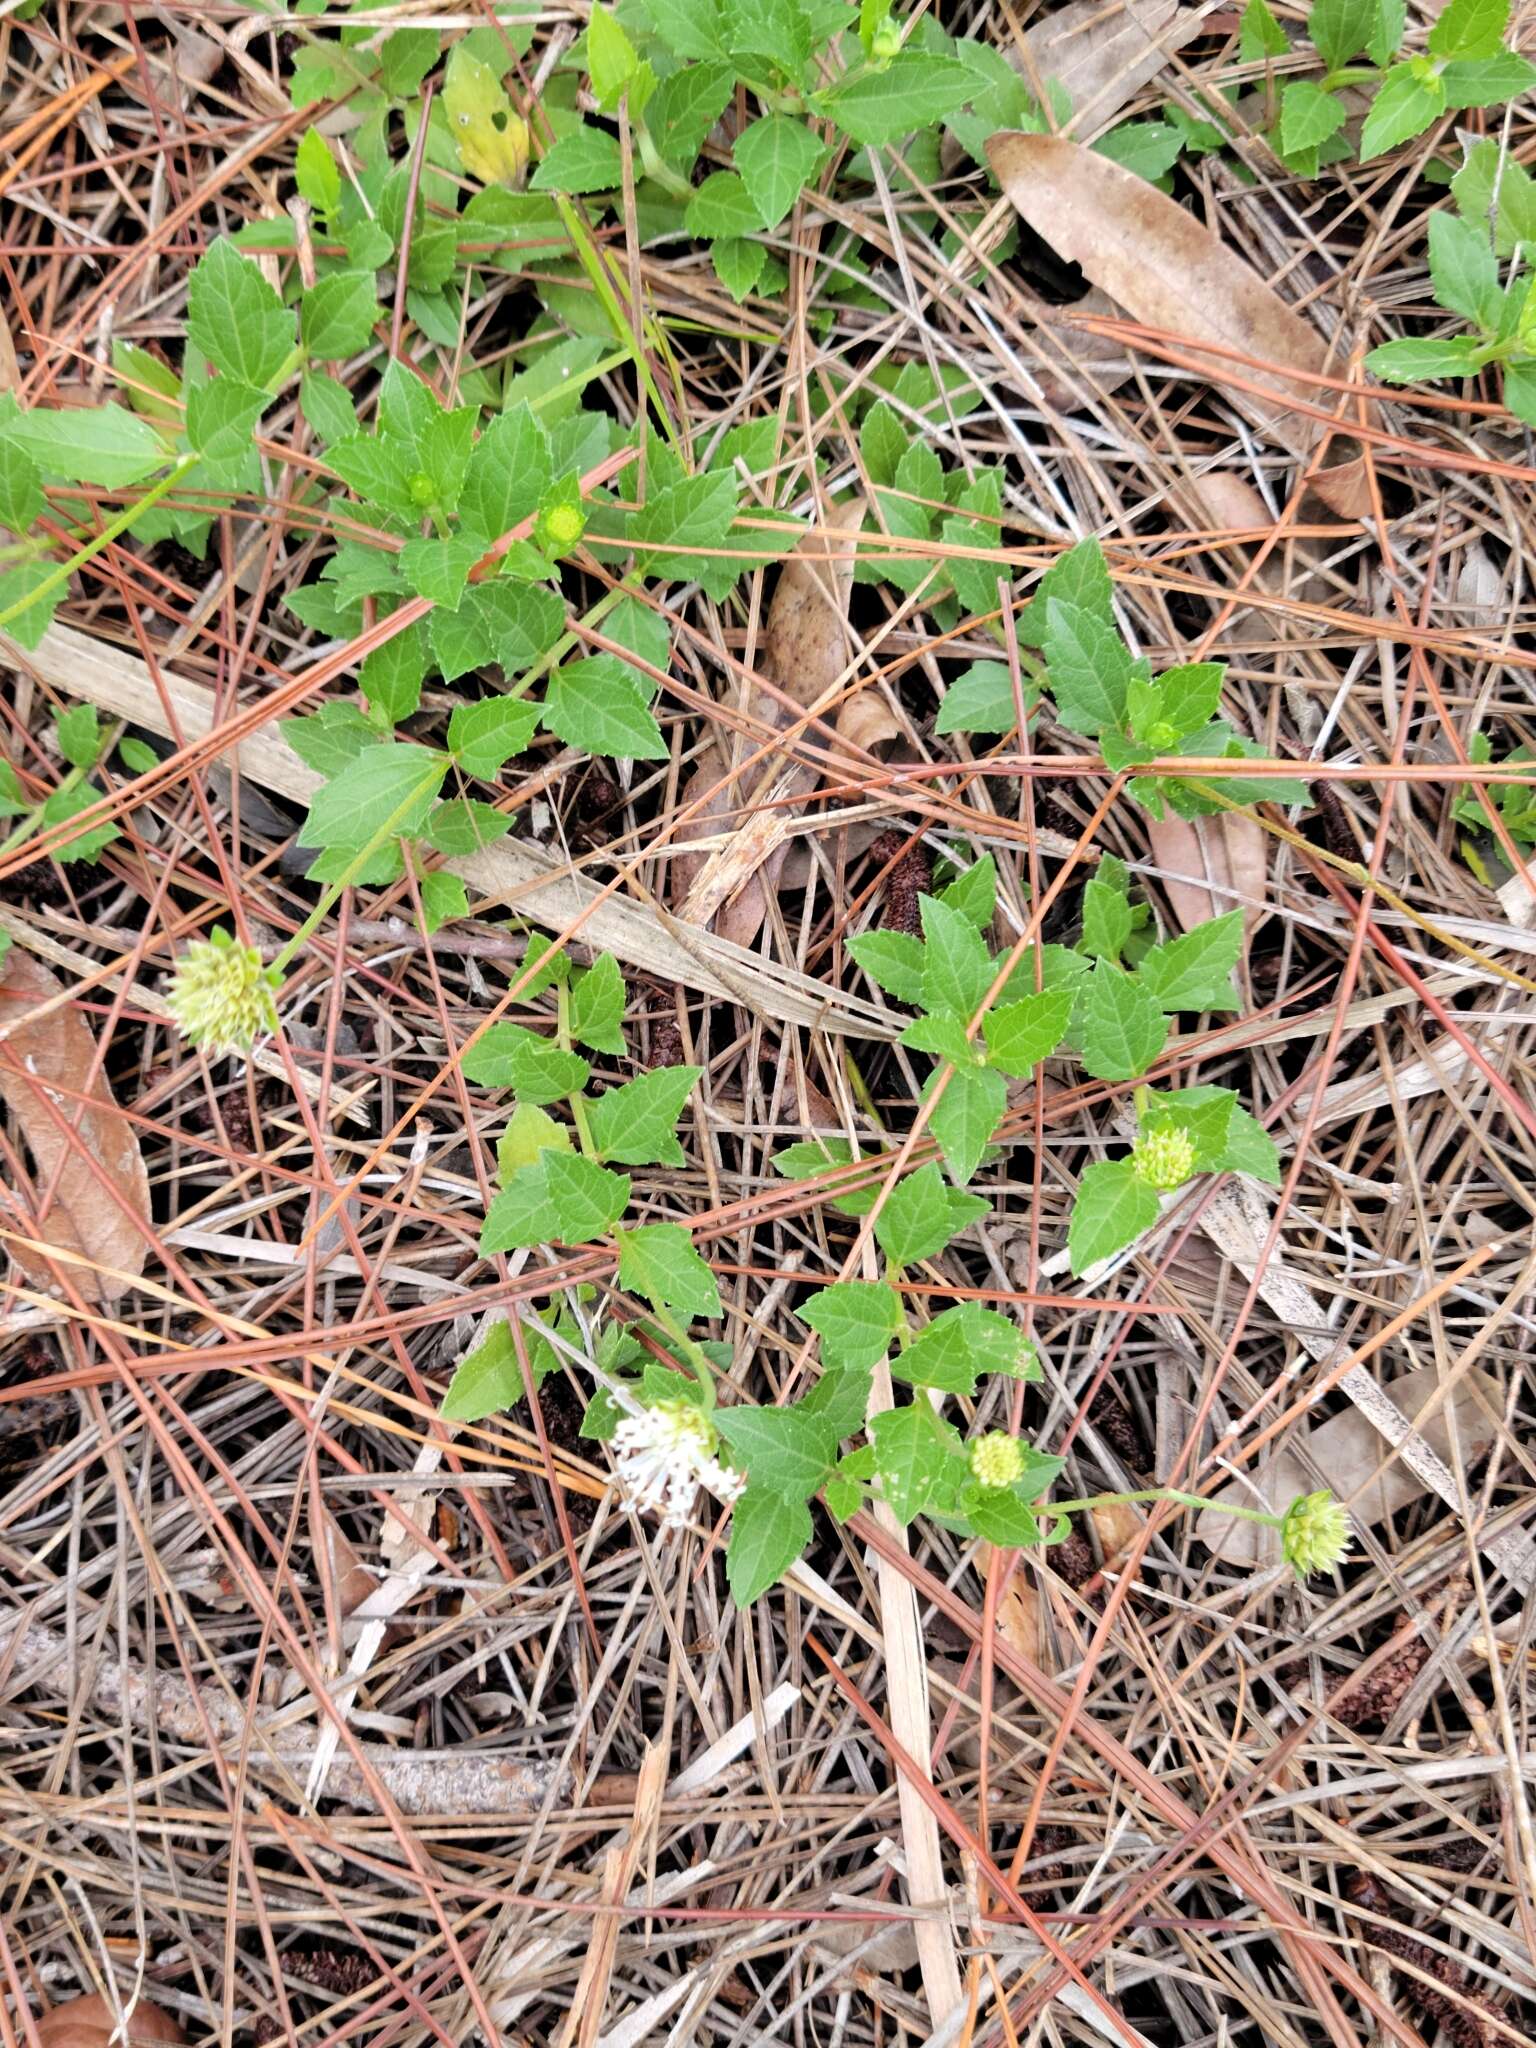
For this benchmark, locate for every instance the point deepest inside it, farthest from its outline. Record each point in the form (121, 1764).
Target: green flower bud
(997, 1459)
(1164, 1159)
(884, 44)
(423, 490)
(1315, 1534)
(558, 528)
(221, 995)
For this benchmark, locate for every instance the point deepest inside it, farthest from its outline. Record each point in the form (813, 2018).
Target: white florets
(665, 1454)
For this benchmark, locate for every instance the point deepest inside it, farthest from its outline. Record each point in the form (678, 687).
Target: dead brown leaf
(43, 1067)
(805, 650)
(1176, 277)
(1228, 851)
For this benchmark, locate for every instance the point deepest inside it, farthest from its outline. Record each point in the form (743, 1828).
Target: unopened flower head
(665, 1455)
(222, 996)
(997, 1459)
(1164, 1158)
(1315, 1534)
(559, 527)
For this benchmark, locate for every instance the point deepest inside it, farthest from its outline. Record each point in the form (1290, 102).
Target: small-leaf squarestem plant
(678, 1426)
(1480, 272)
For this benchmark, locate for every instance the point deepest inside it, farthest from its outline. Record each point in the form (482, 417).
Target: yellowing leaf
(492, 141)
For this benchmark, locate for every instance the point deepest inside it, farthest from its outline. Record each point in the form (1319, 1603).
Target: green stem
(1167, 1493)
(61, 574)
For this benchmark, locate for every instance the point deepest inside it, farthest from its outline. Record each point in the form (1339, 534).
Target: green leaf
(965, 1116)
(915, 89)
(1107, 920)
(328, 407)
(913, 1450)
(1089, 668)
(721, 206)
(439, 568)
(21, 489)
(385, 790)
(79, 735)
(856, 1321)
(510, 469)
(1491, 187)
(685, 107)
(1340, 29)
(236, 318)
(1463, 268)
(1000, 1515)
(530, 1131)
(1122, 1027)
(1309, 116)
(100, 444)
(921, 1215)
(981, 699)
(768, 1533)
(635, 1124)
(1520, 391)
(1204, 1115)
(943, 1037)
(1021, 1034)
(612, 60)
(337, 314)
(597, 1006)
(658, 1260)
(1114, 1206)
(1403, 108)
(585, 161)
(1249, 1149)
(973, 892)
(1469, 28)
(520, 1215)
(391, 676)
(585, 1199)
(882, 442)
(489, 1380)
(483, 736)
(893, 960)
(222, 416)
(1407, 361)
(464, 826)
(333, 736)
(317, 172)
(957, 967)
(67, 803)
(1260, 34)
(405, 59)
(1079, 577)
(689, 28)
(781, 1448)
(1148, 149)
(1194, 971)
(738, 264)
(511, 1056)
(512, 624)
(1190, 694)
(591, 707)
(1487, 81)
(137, 756)
(443, 896)
(777, 159)
(959, 1345)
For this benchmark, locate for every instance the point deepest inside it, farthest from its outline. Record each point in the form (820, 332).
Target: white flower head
(665, 1455)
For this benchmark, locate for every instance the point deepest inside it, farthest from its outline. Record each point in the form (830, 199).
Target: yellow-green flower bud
(222, 996)
(997, 1459)
(884, 44)
(423, 490)
(559, 527)
(1315, 1534)
(1164, 1158)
